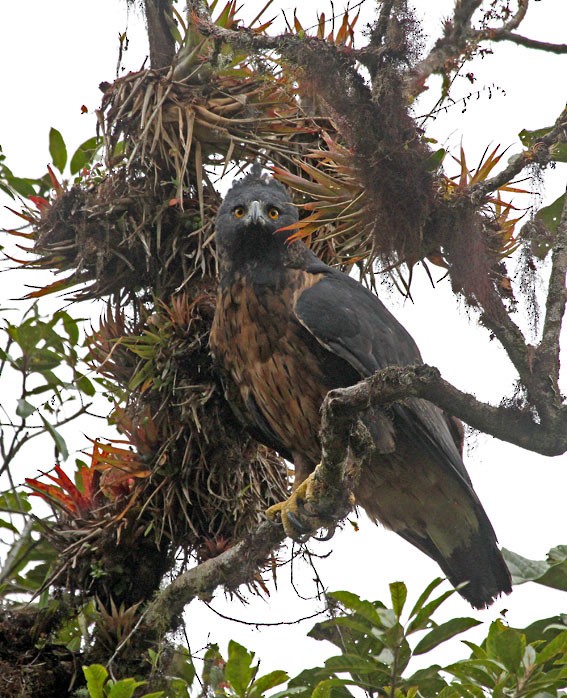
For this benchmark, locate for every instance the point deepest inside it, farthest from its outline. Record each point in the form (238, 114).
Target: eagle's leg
(310, 506)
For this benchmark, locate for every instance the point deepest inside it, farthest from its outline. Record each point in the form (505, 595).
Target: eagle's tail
(476, 563)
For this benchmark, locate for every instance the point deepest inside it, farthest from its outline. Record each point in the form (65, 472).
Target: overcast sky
(54, 55)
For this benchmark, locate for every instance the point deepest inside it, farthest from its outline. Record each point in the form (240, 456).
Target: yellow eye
(273, 213)
(238, 211)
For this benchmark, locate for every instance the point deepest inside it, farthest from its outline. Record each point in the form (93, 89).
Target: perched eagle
(288, 329)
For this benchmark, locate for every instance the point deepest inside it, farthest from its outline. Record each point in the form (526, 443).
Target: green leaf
(425, 595)
(551, 215)
(444, 632)
(398, 593)
(354, 603)
(125, 688)
(24, 408)
(509, 645)
(239, 672)
(530, 138)
(522, 569)
(14, 502)
(85, 385)
(436, 159)
(57, 149)
(545, 628)
(96, 675)
(71, 326)
(85, 154)
(557, 646)
(352, 663)
(22, 186)
(9, 526)
(423, 618)
(326, 689)
(264, 683)
(56, 436)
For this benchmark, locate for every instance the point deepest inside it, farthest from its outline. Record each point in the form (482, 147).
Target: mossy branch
(340, 412)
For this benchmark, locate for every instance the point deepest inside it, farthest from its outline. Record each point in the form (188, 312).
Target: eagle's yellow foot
(302, 514)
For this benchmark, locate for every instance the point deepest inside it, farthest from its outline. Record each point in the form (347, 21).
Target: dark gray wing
(350, 321)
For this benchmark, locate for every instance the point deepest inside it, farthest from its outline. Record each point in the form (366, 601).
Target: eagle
(288, 329)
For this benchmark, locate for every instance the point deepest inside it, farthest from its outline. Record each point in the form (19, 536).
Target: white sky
(54, 55)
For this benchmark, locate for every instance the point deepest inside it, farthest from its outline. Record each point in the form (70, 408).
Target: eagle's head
(250, 218)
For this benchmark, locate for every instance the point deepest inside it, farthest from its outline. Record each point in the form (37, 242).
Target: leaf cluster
(377, 644)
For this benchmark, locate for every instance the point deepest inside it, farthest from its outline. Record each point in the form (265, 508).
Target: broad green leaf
(124, 688)
(9, 526)
(22, 186)
(44, 360)
(14, 502)
(482, 671)
(57, 149)
(352, 663)
(355, 603)
(71, 326)
(551, 215)
(545, 628)
(556, 646)
(56, 436)
(96, 675)
(436, 159)
(239, 671)
(85, 385)
(398, 593)
(509, 645)
(85, 154)
(24, 408)
(444, 632)
(264, 683)
(522, 569)
(529, 138)
(429, 680)
(328, 688)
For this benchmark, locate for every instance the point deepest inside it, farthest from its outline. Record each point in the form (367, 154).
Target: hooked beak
(255, 214)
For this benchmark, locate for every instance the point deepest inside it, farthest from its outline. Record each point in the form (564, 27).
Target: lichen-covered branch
(341, 409)
(238, 565)
(547, 356)
(507, 423)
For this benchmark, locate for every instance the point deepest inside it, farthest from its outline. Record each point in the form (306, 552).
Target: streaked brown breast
(272, 358)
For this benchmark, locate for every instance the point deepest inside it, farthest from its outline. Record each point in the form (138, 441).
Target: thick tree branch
(238, 565)
(340, 412)
(422, 381)
(547, 356)
(530, 43)
(445, 55)
(159, 20)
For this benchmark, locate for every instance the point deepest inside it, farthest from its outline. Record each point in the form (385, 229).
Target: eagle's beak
(255, 212)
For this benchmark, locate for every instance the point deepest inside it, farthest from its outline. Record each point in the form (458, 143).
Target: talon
(300, 514)
(294, 517)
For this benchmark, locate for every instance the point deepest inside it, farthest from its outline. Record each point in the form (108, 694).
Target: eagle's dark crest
(288, 329)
